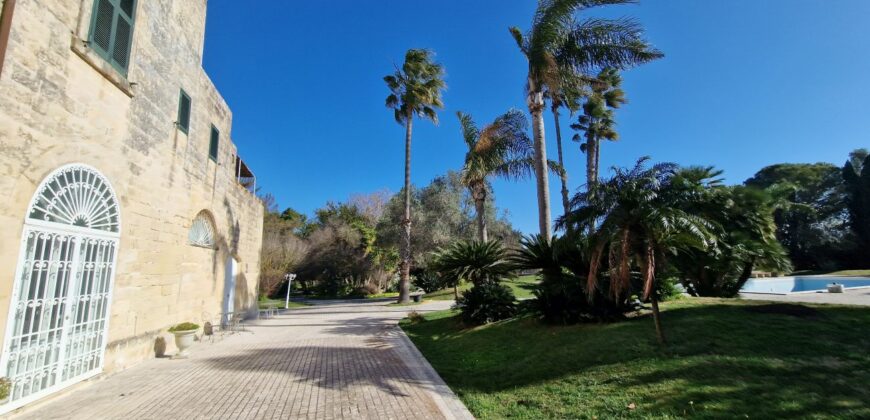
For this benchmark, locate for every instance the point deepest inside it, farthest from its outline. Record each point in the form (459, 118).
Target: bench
(416, 296)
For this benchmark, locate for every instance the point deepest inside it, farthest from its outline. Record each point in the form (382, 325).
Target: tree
(499, 149)
(856, 175)
(741, 221)
(637, 224)
(443, 212)
(597, 121)
(571, 89)
(812, 219)
(556, 43)
(415, 90)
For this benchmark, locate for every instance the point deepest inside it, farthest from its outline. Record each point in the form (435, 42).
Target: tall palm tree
(597, 121)
(639, 221)
(571, 89)
(415, 90)
(556, 41)
(500, 149)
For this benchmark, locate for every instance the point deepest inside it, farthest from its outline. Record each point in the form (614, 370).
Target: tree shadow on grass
(722, 356)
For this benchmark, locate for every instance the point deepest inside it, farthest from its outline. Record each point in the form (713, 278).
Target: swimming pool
(785, 285)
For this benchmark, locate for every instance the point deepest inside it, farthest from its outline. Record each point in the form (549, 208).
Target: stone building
(126, 208)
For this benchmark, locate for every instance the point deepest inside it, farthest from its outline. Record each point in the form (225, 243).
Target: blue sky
(744, 84)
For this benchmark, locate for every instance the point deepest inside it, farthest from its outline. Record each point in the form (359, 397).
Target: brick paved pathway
(336, 360)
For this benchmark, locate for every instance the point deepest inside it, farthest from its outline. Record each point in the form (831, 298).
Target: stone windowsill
(101, 66)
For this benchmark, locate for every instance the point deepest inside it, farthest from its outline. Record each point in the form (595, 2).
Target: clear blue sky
(744, 84)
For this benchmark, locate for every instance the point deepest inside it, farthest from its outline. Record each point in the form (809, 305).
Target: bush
(427, 280)
(415, 317)
(184, 326)
(486, 302)
(5, 387)
(563, 300)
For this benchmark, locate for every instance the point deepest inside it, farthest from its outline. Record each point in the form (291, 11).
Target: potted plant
(5, 388)
(184, 334)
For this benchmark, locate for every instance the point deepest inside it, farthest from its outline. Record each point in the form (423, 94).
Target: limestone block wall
(57, 106)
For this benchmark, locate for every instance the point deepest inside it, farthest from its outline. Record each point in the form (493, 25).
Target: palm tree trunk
(597, 159)
(564, 175)
(657, 318)
(535, 102)
(591, 177)
(478, 193)
(405, 281)
(481, 219)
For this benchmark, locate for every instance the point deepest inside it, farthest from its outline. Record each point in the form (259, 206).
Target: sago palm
(557, 42)
(638, 224)
(597, 121)
(501, 148)
(415, 90)
(475, 261)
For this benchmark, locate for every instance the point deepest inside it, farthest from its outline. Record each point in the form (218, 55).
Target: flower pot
(183, 340)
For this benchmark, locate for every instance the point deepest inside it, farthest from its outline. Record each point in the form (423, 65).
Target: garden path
(334, 360)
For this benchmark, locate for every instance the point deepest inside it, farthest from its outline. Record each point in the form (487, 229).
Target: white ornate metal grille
(56, 332)
(77, 195)
(201, 231)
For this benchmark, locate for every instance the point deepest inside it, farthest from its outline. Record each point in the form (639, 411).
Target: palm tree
(500, 149)
(597, 121)
(638, 224)
(556, 42)
(571, 89)
(415, 90)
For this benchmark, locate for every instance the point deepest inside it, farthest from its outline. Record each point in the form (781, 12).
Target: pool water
(784, 285)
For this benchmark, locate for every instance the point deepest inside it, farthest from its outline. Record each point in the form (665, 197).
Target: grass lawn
(522, 287)
(277, 303)
(726, 359)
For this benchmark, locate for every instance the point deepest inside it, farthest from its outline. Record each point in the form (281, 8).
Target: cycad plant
(499, 149)
(639, 221)
(474, 261)
(415, 90)
(557, 43)
(485, 264)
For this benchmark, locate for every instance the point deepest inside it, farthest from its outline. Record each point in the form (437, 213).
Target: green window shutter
(183, 121)
(213, 144)
(112, 31)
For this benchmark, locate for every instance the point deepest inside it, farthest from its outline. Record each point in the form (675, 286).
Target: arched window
(202, 231)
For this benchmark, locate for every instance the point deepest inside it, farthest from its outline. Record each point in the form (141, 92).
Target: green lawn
(277, 303)
(725, 360)
(522, 287)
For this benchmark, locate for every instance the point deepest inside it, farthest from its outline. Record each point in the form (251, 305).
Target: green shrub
(486, 302)
(415, 317)
(184, 326)
(5, 388)
(427, 280)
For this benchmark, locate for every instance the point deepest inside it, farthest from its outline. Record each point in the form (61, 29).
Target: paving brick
(337, 360)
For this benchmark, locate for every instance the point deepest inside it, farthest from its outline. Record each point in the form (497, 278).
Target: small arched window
(202, 231)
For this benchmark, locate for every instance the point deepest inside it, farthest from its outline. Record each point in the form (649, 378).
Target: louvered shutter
(184, 112)
(213, 144)
(112, 31)
(101, 30)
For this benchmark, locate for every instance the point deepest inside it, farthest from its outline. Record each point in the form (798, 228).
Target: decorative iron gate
(58, 315)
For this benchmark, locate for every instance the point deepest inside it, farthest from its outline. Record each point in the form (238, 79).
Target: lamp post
(289, 277)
